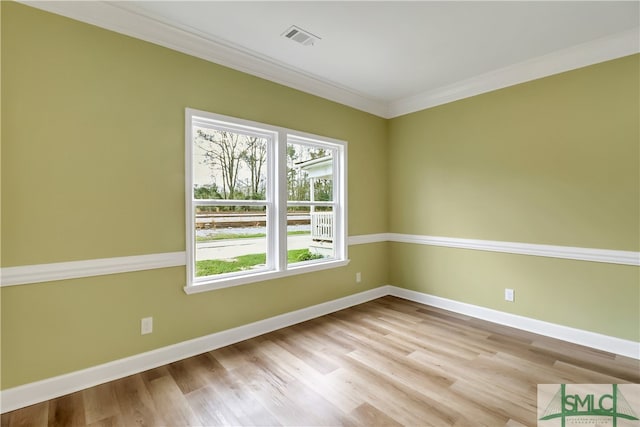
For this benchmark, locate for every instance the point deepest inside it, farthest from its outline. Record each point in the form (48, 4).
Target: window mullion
(271, 191)
(189, 207)
(340, 200)
(281, 194)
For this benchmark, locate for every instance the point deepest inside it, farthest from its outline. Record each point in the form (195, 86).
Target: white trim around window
(268, 195)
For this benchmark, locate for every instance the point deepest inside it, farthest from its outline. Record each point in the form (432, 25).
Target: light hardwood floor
(388, 362)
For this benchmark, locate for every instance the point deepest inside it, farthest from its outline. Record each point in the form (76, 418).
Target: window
(262, 202)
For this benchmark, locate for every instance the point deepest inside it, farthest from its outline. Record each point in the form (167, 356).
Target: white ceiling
(385, 57)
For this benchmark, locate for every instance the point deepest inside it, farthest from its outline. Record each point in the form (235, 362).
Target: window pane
(230, 239)
(310, 234)
(236, 184)
(229, 165)
(309, 173)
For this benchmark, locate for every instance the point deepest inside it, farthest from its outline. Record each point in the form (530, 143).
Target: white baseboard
(564, 333)
(29, 394)
(39, 391)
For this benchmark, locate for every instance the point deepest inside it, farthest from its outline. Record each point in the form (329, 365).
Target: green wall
(93, 164)
(93, 167)
(553, 161)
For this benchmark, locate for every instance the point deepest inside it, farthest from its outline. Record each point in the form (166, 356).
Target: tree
(222, 151)
(297, 178)
(292, 171)
(323, 190)
(316, 153)
(255, 157)
(207, 191)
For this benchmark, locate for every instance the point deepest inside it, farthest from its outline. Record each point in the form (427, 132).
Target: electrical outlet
(358, 277)
(509, 295)
(146, 325)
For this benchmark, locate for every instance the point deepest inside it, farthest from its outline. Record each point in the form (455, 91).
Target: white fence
(322, 226)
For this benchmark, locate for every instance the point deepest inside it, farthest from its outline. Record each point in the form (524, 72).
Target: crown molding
(113, 17)
(116, 18)
(582, 55)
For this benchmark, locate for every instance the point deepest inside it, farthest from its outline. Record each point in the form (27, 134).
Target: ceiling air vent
(301, 36)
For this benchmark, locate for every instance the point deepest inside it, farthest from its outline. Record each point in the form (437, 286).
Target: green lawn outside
(244, 262)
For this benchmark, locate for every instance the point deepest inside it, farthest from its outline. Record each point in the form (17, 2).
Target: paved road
(231, 248)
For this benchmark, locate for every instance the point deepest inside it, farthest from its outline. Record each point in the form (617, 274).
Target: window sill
(260, 277)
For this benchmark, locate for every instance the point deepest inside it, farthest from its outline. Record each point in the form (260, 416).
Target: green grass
(225, 236)
(245, 262)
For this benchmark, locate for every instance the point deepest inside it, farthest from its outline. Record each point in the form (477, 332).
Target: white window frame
(276, 202)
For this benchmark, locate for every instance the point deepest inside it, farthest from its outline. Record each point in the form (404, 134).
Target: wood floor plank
(320, 341)
(152, 374)
(188, 374)
(171, 405)
(430, 386)
(235, 394)
(135, 402)
(627, 362)
(359, 338)
(299, 370)
(596, 361)
(230, 357)
(276, 390)
(32, 416)
(586, 375)
(513, 423)
(367, 415)
(211, 410)
(388, 362)
(100, 402)
(114, 421)
(497, 401)
(394, 398)
(302, 347)
(67, 411)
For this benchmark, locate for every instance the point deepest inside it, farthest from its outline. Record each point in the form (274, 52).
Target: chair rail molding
(26, 274)
(551, 251)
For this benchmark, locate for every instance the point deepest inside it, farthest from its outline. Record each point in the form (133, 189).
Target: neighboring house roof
(320, 168)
